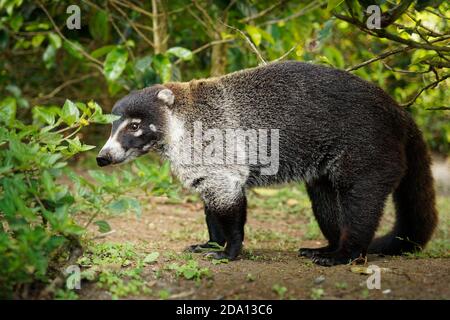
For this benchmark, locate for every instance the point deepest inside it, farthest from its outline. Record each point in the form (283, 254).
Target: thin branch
(393, 14)
(379, 57)
(309, 7)
(121, 35)
(262, 13)
(58, 31)
(66, 84)
(208, 29)
(139, 32)
(205, 14)
(404, 71)
(431, 85)
(206, 46)
(251, 44)
(381, 33)
(439, 14)
(134, 7)
(286, 54)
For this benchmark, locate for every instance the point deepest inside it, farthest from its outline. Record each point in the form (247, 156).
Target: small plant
(279, 290)
(250, 277)
(190, 270)
(365, 293)
(164, 294)
(117, 267)
(317, 293)
(341, 285)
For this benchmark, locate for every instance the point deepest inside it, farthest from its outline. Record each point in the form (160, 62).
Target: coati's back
(321, 113)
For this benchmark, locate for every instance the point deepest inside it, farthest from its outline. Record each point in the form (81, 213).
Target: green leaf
(100, 52)
(151, 258)
(8, 107)
(124, 204)
(45, 114)
(74, 48)
(333, 4)
(70, 113)
(163, 67)
(255, 34)
(37, 40)
(103, 226)
(48, 184)
(189, 273)
(326, 31)
(37, 26)
(49, 56)
(55, 40)
(180, 52)
(16, 22)
(143, 64)
(99, 26)
(115, 63)
(104, 118)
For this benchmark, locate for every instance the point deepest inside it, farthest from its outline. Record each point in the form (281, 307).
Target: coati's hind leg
(326, 211)
(215, 231)
(361, 203)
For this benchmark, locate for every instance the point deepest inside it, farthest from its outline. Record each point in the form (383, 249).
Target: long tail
(414, 201)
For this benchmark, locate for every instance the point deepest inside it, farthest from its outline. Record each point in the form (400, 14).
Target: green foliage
(279, 290)
(117, 267)
(317, 293)
(36, 211)
(190, 270)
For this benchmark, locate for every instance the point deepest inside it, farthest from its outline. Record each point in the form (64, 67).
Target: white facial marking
(112, 145)
(153, 127)
(135, 120)
(138, 133)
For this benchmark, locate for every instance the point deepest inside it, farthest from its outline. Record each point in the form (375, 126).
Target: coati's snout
(139, 128)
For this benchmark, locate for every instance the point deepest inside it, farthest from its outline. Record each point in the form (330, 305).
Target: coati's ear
(166, 96)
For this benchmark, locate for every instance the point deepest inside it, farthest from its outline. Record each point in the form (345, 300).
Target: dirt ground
(270, 267)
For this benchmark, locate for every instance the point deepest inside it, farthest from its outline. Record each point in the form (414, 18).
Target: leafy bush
(37, 225)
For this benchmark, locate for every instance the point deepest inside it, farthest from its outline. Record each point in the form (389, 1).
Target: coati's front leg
(216, 236)
(230, 219)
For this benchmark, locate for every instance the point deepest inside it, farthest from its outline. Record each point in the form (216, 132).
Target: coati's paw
(201, 247)
(218, 255)
(310, 252)
(329, 259)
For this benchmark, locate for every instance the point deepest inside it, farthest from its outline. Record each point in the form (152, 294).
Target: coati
(346, 138)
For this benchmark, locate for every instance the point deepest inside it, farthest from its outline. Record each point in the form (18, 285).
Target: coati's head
(139, 127)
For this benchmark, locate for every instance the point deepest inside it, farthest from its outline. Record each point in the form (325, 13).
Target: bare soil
(270, 259)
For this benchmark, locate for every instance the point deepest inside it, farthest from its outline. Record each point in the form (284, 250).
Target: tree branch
(58, 31)
(262, 13)
(431, 85)
(381, 33)
(379, 57)
(393, 14)
(251, 44)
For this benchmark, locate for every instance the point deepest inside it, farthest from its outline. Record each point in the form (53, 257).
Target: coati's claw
(217, 255)
(310, 252)
(328, 259)
(201, 247)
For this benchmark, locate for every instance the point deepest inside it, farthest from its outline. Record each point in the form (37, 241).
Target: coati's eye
(133, 126)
